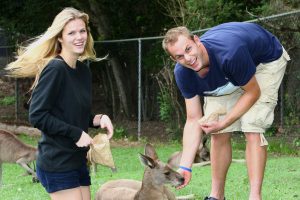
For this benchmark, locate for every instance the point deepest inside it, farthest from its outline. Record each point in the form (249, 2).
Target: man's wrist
(185, 168)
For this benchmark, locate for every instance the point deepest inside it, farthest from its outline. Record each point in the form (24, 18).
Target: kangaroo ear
(147, 161)
(174, 159)
(150, 152)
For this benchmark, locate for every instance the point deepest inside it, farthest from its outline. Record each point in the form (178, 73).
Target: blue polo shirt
(234, 50)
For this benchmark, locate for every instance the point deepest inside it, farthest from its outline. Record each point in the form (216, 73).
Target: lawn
(282, 177)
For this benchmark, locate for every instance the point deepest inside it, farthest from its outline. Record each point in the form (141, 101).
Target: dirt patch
(150, 130)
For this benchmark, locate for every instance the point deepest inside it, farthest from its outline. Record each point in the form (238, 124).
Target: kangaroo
(156, 174)
(12, 150)
(202, 155)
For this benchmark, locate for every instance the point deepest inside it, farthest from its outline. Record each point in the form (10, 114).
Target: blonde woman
(61, 103)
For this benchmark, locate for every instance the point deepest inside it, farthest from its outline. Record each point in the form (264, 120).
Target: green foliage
(120, 132)
(166, 114)
(238, 141)
(24, 19)
(291, 112)
(276, 145)
(8, 100)
(207, 13)
(282, 148)
(129, 18)
(165, 109)
(271, 131)
(296, 142)
(153, 54)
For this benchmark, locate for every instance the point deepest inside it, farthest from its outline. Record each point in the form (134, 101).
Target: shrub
(8, 100)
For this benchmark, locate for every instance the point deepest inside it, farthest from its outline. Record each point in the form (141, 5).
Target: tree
(120, 19)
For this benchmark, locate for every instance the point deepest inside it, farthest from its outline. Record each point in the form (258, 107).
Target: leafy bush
(9, 100)
(271, 131)
(165, 109)
(296, 142)
(120, 132)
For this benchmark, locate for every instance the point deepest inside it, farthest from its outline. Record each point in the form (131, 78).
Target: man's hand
(211, 123)
(187, 178)
(211, 127)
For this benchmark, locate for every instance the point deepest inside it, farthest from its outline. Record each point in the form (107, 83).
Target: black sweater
(61, 108)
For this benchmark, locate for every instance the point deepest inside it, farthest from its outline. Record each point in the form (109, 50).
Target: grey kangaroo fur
(202, 155)
(156, 175)
(12, 150)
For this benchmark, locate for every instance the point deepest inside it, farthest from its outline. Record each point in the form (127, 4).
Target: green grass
(281, 181)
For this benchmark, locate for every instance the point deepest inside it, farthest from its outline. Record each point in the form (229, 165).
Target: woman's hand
(84, 140)
(104, 122)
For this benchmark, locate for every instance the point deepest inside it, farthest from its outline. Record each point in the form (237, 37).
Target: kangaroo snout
(177, 180)
(180, 181)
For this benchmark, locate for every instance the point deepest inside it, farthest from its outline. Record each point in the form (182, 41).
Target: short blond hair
(33, 58)
(172, 36)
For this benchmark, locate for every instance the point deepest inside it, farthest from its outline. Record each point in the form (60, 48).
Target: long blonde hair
(32, 59)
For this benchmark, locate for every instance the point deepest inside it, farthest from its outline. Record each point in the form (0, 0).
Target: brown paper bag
(100, 152)
(212, 117)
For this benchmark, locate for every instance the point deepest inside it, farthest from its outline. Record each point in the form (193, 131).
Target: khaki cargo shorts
(261, 115)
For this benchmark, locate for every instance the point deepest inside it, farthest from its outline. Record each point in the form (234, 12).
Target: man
(238, 67)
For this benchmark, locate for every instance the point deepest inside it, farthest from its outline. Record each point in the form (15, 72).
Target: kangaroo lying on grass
(202, 155)
(12, 150)
(152, 186)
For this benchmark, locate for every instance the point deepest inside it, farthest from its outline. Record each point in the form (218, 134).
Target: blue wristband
(185, 168)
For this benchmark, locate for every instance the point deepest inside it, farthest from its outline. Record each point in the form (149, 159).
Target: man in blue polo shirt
(237, 67)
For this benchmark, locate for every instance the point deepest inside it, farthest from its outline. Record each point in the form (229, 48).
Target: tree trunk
(101, 22)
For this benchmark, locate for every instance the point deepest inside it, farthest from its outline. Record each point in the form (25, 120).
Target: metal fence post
(281, 107)
(16, 100)
(139, 87)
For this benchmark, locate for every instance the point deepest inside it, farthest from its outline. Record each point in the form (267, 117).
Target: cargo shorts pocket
(261, 115)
